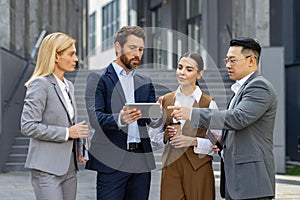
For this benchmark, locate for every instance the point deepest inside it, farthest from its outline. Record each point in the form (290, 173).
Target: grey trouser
(52, 187)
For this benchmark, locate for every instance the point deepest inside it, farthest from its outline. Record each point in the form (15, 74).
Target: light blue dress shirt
(127, 83)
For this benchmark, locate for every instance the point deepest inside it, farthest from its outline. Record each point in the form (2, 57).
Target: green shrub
(293, 170)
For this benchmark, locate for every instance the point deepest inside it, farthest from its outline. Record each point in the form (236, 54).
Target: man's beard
(127, 62)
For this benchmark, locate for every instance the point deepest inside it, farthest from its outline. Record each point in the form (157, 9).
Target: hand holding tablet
(149, 110)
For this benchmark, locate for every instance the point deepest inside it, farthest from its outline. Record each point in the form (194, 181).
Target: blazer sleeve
(256, 99)
(32, 115)
(90, 91)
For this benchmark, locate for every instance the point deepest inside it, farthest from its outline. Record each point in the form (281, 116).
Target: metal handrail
(32, 56)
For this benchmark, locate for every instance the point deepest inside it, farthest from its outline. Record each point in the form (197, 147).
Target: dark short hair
(248, 43)
(125, 31)
(196, 57)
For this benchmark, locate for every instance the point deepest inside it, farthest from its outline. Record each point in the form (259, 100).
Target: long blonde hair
(52, 44)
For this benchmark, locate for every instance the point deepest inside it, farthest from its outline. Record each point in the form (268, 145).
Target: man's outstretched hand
(180, 113)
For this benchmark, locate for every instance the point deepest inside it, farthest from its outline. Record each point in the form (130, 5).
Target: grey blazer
(45, 119)
(248, 144)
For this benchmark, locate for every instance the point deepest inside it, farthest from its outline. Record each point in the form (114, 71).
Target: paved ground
(16, 186)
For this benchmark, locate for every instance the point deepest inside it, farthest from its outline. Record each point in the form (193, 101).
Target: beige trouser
(179, 181)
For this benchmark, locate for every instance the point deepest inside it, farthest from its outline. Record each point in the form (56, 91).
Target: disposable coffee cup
(177, 126)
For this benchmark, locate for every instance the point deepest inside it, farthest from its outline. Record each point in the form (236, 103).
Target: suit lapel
(61, 97)
(116, 82)
(237, 99)
(240, 92)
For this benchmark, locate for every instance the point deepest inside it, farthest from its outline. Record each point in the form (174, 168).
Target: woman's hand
(81, 158)
(170, 132)
(181, 141)
(79, 130)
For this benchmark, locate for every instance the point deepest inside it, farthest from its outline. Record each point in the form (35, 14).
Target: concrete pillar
(248, 20)
(54, 16)
(262, 22)
(63, 16)
(45, 10)
(12, 8)
(34, 29)
(243, 15)
(5, 23)
(251, 18)
(238, 15)
(20, 28)
(73, 15)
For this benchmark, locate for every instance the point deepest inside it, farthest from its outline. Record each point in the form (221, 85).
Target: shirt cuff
(67, 134)
(120, 125)
(203, 146)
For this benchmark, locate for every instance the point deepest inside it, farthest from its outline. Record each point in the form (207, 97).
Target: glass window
(92, 34)
(159, 55)
(194, 8)
(157, 37)
(110, 23)
(194, 23)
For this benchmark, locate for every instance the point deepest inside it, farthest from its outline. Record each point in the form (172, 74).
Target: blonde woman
(48, 118)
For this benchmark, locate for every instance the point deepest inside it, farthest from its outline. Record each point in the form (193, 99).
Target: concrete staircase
(18, 153)
(215, 83)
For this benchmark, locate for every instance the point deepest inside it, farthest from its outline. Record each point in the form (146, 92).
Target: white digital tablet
(149, 110)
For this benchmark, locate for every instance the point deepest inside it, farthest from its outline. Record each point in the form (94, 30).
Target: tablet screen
(149, 110)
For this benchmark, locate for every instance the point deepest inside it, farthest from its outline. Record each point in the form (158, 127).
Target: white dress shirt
(236, 87)
(203, 144)
(64, 87)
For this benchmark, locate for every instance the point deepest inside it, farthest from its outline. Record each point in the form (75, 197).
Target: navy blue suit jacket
(104, 100)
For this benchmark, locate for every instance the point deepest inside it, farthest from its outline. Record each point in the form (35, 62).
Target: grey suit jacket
(45, 119)
(248, 144)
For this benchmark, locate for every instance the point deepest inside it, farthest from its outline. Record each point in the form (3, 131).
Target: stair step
(15, 166)
(19, 149)
(17, 158)
(18, 155)
(21, 141)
